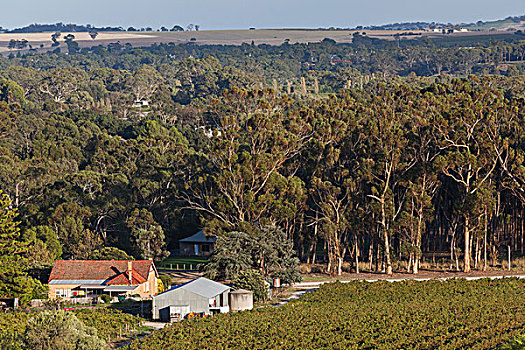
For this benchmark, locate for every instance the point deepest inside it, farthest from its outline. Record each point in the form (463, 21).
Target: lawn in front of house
(183, 262)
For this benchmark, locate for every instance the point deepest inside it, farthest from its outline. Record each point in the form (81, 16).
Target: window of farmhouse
(63, 293)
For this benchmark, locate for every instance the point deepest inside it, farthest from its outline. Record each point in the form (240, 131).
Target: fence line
(179, 267)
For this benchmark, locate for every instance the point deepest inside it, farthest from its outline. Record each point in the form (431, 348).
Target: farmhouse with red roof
(86, 278)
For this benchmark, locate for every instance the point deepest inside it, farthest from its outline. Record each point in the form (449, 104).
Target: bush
(109, 253)
(305, 269)
(346, 267)
(516, 344)
(252, 280)
(166, 281)
(60, 330)
(317, 269)
(106, 298)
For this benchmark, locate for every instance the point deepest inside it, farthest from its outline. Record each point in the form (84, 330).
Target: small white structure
(141, 103)
(241, 300)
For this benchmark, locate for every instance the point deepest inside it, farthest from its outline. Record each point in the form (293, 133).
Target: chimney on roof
(130, 272)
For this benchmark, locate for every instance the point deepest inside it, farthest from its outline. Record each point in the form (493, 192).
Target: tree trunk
(310, 252)
(466, 265)
(419, 234)
(476, 254)
(388, 260)
(356, 256)
(371, 256)
(485, 234)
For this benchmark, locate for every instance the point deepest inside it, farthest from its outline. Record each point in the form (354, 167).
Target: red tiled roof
(113, 270)
(123, 279)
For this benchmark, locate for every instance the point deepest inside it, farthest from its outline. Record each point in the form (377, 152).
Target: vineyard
(456, 314)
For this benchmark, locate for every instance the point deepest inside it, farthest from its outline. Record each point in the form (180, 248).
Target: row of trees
(376, 174)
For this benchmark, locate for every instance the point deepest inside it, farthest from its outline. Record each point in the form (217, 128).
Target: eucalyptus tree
(389, 157)
(422, 179)
(469, 158)
(239, 178)
(335, 150)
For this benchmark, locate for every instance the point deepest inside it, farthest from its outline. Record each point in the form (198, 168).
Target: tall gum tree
(240, 178)
(389, 158)
(469, 158)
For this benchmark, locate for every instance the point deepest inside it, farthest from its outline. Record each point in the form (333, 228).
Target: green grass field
(184, 263)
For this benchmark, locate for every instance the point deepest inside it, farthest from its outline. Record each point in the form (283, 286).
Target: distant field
(214, 37)
(224, 37)
(499, 25)
(35, 39)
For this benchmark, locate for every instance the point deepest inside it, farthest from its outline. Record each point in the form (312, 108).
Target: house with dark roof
(199, 296)
(198, 244)
(89, 278)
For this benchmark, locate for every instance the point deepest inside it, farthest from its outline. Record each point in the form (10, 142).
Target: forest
(377, 152)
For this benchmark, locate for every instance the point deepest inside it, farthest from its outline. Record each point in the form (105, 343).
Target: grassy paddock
(455, 314)
(171, 263)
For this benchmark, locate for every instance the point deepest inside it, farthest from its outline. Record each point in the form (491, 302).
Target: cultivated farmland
(456, 314)
(216, 37)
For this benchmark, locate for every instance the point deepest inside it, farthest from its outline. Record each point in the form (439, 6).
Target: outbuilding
(199, 296)
(198, 244)
(241, 299)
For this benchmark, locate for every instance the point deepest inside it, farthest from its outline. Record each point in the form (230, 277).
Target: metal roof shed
(201, 295)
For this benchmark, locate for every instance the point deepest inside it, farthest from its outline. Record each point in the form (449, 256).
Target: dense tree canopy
(385, 154)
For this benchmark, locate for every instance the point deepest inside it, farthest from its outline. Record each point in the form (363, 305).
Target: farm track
(316, 284)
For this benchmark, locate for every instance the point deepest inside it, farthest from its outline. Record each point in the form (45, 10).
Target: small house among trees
(197, 245)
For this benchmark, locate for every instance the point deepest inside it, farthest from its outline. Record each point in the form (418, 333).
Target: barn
(199, 296)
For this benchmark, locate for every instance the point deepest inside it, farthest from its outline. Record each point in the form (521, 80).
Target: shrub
(516, 344)
(60, 330)
(166, 281)
(317, 268)
(109, 253)
(252, 280)
(105, 298)
(305, 269)
(346, 267)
